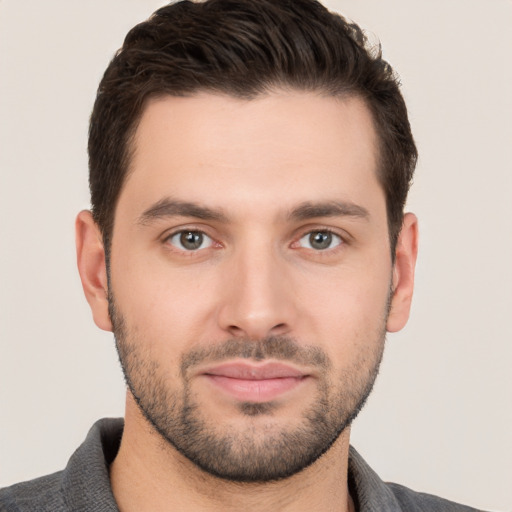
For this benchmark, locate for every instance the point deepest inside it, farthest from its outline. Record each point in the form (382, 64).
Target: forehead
(282, 146)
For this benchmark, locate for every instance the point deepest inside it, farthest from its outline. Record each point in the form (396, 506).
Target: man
(249, 165)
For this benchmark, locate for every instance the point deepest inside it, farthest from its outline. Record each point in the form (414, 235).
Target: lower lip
(255, 390)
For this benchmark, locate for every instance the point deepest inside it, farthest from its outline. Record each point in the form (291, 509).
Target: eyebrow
(168, 207)
(310, 210)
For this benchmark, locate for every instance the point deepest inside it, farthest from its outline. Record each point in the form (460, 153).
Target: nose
(257, 298)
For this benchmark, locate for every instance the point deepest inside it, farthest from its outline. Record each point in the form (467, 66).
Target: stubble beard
(259, 453)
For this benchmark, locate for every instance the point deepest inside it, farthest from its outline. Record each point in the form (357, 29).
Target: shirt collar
(86, 481)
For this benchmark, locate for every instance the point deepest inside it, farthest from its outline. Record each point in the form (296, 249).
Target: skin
(255, 162)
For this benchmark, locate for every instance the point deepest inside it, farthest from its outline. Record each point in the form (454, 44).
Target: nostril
(255, 333)
(235, 330)
(279, 329)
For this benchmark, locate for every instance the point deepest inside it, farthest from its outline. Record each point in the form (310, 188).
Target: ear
(403, 273)
(90, 256)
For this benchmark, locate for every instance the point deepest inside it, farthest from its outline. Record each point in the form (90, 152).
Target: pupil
(320, 240)
(191, 240)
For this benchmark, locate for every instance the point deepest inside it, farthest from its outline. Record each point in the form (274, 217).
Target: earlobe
(403, 274)
(92, 268)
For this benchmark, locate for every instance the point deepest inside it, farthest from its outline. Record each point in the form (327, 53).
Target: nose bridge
(258, 301)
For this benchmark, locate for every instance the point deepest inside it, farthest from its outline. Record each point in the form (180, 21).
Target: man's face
(250, 276)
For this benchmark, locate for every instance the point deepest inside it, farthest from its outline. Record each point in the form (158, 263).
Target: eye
(189, 240)
(320, 240)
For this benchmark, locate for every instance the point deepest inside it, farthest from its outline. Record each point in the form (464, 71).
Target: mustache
(282, 348)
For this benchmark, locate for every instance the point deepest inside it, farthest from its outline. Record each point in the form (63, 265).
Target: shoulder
(422, 502)
(84, 485)
(372, 494)
(41, 495)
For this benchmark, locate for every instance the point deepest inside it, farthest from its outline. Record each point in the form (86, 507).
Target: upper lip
(248, 371)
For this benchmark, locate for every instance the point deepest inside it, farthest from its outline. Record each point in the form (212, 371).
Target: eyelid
(332, 233)
(313, 228)
(206, 241)
(199, 228)
(344, 237)
(178, 230)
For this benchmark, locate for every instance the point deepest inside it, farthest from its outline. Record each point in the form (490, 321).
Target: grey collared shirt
(84, 485)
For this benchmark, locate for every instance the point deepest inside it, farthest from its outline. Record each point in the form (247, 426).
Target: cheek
(170, 306)
(348, 309)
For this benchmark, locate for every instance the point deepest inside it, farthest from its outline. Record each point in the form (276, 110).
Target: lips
(254, 383)
(254, 372)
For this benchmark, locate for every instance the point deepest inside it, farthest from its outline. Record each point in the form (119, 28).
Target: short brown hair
(244, 48)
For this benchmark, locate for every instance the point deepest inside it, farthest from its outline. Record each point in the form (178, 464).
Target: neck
(150, 475)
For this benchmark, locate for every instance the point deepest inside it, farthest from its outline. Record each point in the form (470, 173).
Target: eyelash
(330, 232)
(295, 244)
(180, 232)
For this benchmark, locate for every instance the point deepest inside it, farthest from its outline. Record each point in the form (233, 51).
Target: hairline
(343, 93)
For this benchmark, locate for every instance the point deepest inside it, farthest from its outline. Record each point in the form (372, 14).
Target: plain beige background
(440, 418)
